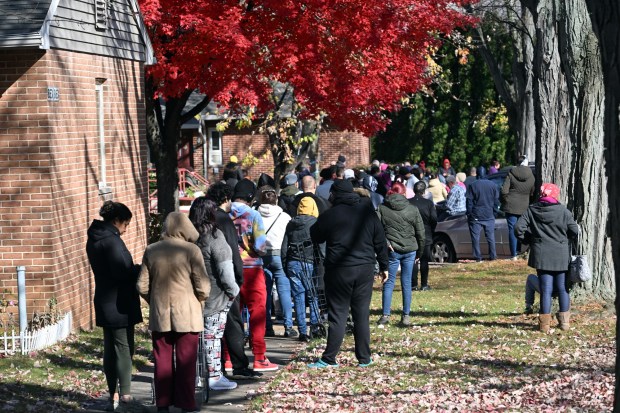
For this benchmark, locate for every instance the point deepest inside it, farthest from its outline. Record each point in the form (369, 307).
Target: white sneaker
(221, 383)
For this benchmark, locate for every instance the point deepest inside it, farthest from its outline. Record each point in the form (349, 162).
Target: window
(100, 99)
(101, 14)
(215, 147)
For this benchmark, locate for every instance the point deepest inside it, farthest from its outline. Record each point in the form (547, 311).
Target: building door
(215, 147)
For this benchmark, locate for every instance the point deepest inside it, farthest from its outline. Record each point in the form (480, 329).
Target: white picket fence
(36, 339)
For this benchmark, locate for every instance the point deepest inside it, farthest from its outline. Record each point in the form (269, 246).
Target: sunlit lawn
(470, 349)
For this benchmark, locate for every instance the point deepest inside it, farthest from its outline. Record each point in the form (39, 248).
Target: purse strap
(274, 221)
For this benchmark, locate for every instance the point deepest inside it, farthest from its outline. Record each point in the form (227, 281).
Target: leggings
(118, 348)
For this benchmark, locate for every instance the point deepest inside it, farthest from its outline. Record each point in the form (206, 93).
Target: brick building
(72, 127)
(209, 150)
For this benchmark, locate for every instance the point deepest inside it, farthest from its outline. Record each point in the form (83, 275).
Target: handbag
(579, 270)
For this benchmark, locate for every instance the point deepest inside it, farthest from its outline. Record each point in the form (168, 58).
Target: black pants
(348, 287)
(423, 267)
(118, 349)
(234, 336)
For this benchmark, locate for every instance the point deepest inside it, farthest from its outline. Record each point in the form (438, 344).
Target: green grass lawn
(470, 349)
(62, 377)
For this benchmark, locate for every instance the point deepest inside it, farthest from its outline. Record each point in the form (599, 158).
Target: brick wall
(353, 145)
(49, 158)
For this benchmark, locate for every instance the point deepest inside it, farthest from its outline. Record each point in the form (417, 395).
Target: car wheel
(442, 250)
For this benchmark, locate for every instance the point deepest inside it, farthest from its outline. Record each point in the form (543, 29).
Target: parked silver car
(452, 242)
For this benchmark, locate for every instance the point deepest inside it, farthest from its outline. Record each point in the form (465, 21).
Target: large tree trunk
(605, 15)
(163, 137)
(568, 103)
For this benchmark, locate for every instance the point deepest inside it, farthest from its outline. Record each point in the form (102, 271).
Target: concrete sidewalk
(279, 351)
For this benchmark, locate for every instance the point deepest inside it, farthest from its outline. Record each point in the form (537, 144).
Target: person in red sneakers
(252, 245)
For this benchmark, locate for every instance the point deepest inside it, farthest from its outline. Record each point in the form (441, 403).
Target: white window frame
(100, 98)
(215, 156)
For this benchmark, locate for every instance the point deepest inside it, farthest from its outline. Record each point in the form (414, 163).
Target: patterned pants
(214, 331)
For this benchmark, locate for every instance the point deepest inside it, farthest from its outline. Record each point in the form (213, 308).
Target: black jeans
(234, 336)
(348, 287)
(423, 267)
(118, 349)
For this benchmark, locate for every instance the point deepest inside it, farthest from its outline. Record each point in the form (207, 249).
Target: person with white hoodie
(275, 221)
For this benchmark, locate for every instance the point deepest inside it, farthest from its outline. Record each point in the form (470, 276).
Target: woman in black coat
(117, 303)
(548, 225)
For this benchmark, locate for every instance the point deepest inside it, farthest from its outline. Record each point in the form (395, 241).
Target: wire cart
(312, 280)
(202, 372)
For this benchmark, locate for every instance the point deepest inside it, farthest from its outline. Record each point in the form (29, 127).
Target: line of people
(237, 243)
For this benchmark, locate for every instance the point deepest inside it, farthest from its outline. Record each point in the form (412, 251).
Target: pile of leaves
(470, 349)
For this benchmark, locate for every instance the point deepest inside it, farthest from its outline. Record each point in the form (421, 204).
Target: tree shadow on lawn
(20, 397)
(457, 318)
(444, 314)
(485, 368)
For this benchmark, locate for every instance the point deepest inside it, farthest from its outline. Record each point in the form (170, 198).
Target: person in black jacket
(298, 259)
(429, 217)
(354, 236)
(548, 225)
(221, 194)
(117, 303)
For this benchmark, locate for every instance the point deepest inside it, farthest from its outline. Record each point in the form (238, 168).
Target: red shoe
(228, 366)
(265, 365)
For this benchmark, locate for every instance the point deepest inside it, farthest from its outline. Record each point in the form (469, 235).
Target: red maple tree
(350, 60)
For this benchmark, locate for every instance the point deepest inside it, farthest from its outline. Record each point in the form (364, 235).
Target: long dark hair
(202, 215)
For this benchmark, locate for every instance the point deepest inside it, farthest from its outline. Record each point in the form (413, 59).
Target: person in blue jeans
(482, 200)
(298, 253)
(404, 230)
(275, 221)
(548, 225)
(517, 190)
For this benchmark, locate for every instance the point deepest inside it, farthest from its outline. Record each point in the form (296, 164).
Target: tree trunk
(568, 107)
(517, 95)
(605, 15)
(286, 153)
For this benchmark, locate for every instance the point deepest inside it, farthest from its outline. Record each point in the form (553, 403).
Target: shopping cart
(202, 372)
(312, 280)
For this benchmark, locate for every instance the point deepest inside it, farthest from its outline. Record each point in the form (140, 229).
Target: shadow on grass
(20, 397)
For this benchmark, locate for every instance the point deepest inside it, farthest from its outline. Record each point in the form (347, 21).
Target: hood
(546, 213)
(397, 202)
(178, 225)
(363, 192)
(346, 198)
(290, 190)
(434, 182)
(522, 173)
(268, 210)
(99, 230)
(302, 221)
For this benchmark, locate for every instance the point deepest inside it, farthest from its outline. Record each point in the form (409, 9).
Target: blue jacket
(482, 200)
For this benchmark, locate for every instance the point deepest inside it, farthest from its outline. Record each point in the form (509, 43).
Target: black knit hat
(245, 189)
(341, 186)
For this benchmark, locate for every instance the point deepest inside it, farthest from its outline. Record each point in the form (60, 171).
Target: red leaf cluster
(351, 59)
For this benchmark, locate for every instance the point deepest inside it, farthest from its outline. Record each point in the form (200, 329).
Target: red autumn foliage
(351, 59)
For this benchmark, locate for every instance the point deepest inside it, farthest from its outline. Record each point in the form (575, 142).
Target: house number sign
(52, 94)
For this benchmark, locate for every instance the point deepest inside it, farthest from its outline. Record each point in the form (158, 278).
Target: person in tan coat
(174, 281)
(436, 188)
